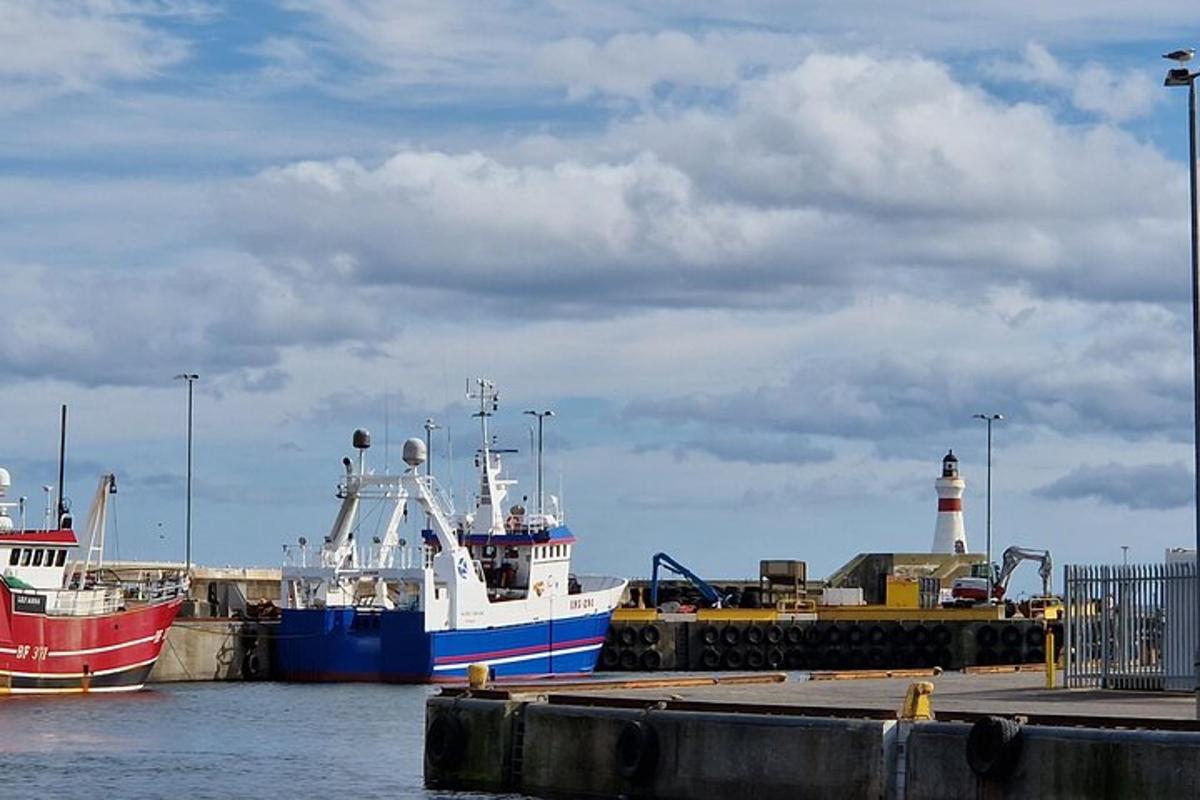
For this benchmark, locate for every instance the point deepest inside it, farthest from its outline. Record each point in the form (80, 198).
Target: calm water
(212, 740)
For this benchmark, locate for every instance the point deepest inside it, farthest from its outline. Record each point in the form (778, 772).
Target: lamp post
(1125, 555)
(1183, 76)
(191, 378)
(989, 419)
(541, 417)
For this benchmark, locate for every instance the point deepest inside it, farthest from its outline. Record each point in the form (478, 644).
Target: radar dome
(414, 452)
(362, 439)
(5, 480)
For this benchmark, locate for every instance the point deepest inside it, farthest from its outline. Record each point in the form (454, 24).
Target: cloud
(843, 172)
(1091, 86)
(778, 449)
(1144, 486)
(53, 47)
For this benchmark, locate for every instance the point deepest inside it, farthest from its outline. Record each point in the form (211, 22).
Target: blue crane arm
(665, 561)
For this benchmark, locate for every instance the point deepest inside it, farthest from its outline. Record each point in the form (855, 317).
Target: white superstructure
(949, 534)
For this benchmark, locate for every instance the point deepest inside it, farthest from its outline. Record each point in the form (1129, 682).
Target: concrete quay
(995, 736)
(215, 649)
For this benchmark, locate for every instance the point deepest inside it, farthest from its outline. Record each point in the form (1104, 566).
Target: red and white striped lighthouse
(949, 535)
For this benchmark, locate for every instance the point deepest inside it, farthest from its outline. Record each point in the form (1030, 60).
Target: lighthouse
(949, 536)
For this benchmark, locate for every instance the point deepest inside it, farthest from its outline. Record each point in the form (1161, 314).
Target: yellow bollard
(918, 702)
(1050, 665)
(477, 676)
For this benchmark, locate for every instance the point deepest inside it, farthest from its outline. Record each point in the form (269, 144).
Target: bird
(1182, 56)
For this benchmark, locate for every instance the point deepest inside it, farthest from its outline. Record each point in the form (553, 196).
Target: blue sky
(765, 264)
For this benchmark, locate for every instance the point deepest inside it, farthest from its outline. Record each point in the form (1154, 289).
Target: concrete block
(573, 752)
(1057, 762)
(487, 754)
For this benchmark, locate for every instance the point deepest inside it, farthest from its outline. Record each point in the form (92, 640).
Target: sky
(764, 260)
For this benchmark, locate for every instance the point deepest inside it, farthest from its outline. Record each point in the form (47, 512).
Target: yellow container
(477, 675)
(903, 592)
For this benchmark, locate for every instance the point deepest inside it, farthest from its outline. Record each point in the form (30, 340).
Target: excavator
(974, 590)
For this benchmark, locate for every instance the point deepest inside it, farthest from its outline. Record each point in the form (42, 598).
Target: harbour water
(218, 740)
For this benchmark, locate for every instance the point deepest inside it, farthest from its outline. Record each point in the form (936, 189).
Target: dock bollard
(1050, 665)
(477, 675)
(917, 702)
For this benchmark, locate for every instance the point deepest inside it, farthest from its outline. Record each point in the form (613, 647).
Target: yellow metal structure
(1050, 665)
(732, 614)
(876, 613)
(634, 615)
(903, 592)
(918, 702)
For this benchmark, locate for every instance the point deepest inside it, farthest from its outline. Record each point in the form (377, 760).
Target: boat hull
(349, 644)
(50, 654)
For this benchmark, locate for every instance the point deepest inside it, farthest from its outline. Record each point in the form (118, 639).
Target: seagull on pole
(1182, 56)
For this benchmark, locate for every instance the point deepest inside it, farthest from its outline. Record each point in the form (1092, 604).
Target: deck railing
(1130, 626)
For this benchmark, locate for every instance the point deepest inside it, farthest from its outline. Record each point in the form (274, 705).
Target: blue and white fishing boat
(482, 586)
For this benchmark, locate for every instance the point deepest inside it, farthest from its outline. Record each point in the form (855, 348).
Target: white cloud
(1091, 87)
(50, 47)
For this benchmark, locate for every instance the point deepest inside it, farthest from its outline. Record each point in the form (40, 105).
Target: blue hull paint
(347, 644)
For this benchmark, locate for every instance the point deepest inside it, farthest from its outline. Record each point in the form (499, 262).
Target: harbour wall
(560, 750)
(200, 649)
(732, 643)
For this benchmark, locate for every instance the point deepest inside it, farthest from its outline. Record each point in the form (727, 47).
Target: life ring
(446, 741)
(637, 750)
(993, 746)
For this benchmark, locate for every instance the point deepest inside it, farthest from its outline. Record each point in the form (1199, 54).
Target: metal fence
(1130, 626)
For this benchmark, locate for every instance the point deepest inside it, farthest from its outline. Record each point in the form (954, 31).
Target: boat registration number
(33, 652)
(580, 603)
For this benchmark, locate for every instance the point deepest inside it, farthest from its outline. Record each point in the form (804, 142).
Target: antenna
(62, 459)
(387, 431)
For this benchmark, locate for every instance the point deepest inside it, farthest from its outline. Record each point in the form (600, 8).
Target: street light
(989, 419)
(1182, 76)
(1125, 555)
(541, 416)
(191, 378)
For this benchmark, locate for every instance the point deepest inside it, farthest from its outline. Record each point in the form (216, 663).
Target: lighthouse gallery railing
(1130, 626)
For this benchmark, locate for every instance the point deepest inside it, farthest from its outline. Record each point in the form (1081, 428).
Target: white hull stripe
(100, 690)
(525, 657)
(106, 649)
(122, 668)
(11, 651)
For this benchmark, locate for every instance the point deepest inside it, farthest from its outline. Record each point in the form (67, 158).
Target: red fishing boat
(64, 626)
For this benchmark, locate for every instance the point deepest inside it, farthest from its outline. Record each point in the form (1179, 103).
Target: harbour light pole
(989, 419)
(191, 378)
(541, 417)
(1183, 76)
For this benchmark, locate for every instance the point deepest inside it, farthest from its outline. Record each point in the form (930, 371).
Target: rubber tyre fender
(627, 636)
(794, 635)
(876, 636)
(731, 636)
(1035, 636)
(940, 636)
(446, 741)
(755, 659)
(855, 636)
(987, 636)
(251, 666)
(1011, 636)
(774, 634)
(609, 657)
(1011, 656)
(812, 634)
(637, 751)
(833, 635)
(797, 659)
(709, 634)
(1035, 655)
(649, 635)
(732, 659)
(710, 658)
(650, 660)
(629, 660)
(993, 746)
(920, 636)
(753, 635)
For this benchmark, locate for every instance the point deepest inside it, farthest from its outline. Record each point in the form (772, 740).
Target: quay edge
(555, 749)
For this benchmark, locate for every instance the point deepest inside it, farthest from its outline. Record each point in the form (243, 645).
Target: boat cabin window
(26, 554)
(14, 556)
(62, 558)
(511, 552)
(37, 557)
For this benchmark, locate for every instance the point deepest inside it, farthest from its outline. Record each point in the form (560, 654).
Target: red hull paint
(110, 652)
